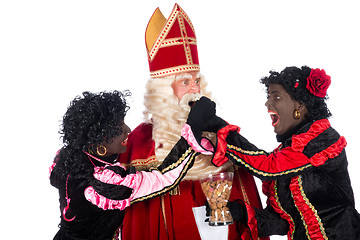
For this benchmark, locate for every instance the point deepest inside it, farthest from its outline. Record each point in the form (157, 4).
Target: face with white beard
(185, 83)
(167, 113)
(168, 103)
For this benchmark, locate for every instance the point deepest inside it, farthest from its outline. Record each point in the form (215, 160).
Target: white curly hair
(168, 115)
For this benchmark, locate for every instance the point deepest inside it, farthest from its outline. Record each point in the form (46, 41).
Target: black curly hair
(293, 76)
(89, 120)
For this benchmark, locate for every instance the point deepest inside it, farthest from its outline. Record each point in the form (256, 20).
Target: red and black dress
(305, 179)
(92, 201)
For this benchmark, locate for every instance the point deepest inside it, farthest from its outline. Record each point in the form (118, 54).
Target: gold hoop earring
(297, 114)
(103, 152)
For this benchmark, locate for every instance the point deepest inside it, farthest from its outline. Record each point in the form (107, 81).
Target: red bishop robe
(170, 217)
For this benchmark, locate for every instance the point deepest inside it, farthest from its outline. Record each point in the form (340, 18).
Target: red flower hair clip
(318, 82)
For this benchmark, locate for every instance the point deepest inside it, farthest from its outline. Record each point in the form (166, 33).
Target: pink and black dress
(92, 201)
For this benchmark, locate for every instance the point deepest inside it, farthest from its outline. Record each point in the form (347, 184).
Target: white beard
(168, 116)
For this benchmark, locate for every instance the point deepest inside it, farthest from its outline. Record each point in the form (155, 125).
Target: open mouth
(191, 103)
(190, 99)
(274, 117)
(194, 100)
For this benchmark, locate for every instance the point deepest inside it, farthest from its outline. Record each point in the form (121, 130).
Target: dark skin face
(281, 107)
(117, 144)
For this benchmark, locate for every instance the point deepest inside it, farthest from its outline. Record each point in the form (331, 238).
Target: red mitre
(171, 43)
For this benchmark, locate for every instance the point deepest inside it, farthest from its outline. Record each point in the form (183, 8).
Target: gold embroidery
(189, 153)
(299, 179)
(266, 174)
(117, 234)
(245, 151)
(178, 162)
(177, 14)
(175, 191)
(279, 205)
(187, 19)
(177, 41)
(173, 70)
(163, 213)
(246, 199)
(186, 41)
(143, 164)
(164, 32)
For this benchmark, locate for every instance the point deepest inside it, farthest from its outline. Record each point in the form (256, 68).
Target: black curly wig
(89, 120)
(293, 76)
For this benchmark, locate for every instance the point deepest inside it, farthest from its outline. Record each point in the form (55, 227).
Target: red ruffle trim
(300, 141)
(311, 220)
(331, 152)
(219, 156)
(269, 189)
(252, 222)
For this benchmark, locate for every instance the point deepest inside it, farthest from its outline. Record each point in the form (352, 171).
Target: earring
(90, 149)
(297, 114)
(102, 152)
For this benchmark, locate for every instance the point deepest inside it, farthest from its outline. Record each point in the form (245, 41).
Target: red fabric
(318, 82)
(252, 222)
(174, 31)
(300, 141)
(331, 152)
(145, 220)
(309, 215)
(269, 189)
(219, 157)
(159, 62)
(179, 50)
(275, 163)
(287, 160)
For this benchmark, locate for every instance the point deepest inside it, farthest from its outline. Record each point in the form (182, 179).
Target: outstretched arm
(116, 188)
(303, 154)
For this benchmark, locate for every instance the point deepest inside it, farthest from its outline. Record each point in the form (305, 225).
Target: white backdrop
(51, 51)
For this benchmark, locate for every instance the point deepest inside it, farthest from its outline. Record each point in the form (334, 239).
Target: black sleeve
(181, 150)
(270, 222)
(113, 191)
